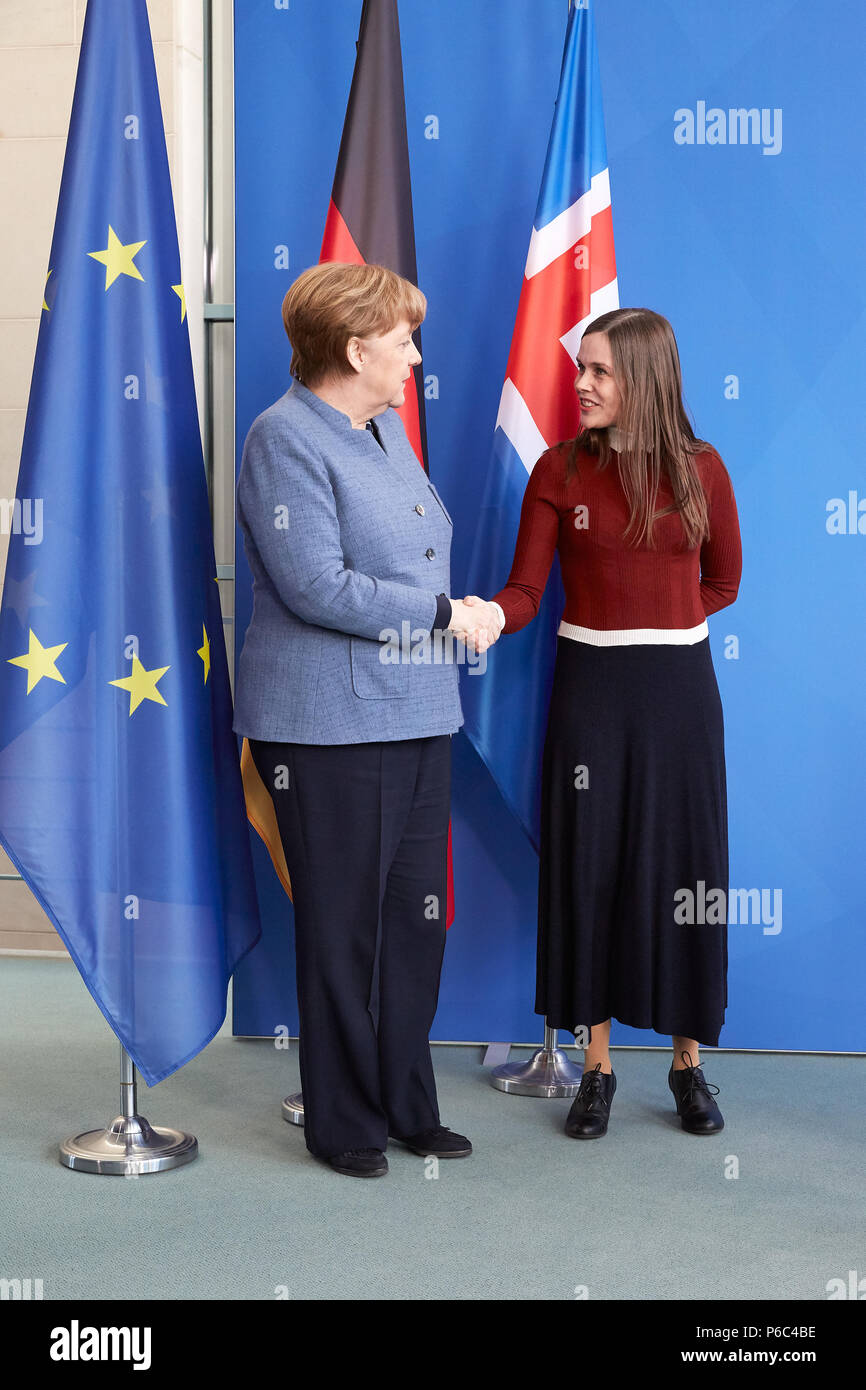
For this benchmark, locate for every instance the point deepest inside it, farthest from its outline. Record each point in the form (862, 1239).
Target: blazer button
(430, 553)
(419, 508)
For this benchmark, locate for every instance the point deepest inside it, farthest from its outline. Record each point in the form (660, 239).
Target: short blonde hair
(335, 301)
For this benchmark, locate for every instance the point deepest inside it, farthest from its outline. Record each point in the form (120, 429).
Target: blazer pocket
(375, 678)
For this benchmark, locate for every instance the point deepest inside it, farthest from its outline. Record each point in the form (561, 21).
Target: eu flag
(120, 792)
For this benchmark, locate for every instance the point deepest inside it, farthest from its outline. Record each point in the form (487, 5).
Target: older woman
(348, 543)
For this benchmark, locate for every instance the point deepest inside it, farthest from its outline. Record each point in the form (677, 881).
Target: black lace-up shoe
(441, 1142)
(360, 1163)
(590, 1110)
(694, 1097)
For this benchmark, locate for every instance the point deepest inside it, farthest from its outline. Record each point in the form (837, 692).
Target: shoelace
(590, 1087)
(697, 1082)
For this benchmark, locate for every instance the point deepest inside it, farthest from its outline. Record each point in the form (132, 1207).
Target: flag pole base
(293, 1109)
(129, 1148)
(547, 1074)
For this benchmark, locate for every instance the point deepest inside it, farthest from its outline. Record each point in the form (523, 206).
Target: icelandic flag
(570, 279)
(120, 789)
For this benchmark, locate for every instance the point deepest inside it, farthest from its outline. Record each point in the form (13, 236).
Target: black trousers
(365, 833)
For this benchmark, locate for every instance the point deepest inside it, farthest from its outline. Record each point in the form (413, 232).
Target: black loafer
(694, 1097)
(360, 1163)
(590, 1110)
(441, 1142)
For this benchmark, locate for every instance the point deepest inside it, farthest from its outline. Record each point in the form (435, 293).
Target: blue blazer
(349, 546)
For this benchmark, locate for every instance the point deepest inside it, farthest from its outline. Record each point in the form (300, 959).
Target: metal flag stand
(548, 1073)
(129, 1146)
(293, 1109)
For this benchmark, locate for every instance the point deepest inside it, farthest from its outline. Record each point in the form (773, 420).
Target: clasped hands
(475, 622)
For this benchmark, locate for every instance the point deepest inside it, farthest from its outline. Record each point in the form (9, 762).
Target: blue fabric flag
(120, 791)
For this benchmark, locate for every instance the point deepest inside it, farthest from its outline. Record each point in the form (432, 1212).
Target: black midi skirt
(634, 842)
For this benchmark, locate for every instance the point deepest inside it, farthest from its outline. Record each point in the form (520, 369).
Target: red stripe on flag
(408, 413)
(551, 303)
(602, 261)
(338, 244)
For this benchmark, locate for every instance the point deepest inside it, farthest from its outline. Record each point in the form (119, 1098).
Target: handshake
(475, 622)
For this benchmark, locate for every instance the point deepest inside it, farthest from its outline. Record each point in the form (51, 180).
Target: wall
(754, 252)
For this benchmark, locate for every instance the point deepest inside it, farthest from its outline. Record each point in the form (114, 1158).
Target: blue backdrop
(747, 233)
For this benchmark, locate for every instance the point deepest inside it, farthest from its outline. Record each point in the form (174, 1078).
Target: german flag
(370, 217)
(369, 222)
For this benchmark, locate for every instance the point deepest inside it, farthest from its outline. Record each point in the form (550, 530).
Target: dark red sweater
(609, 583)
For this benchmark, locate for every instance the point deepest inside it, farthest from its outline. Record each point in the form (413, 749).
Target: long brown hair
(646, 367)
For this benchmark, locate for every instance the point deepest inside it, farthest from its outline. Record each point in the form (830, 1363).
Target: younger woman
(634, 814)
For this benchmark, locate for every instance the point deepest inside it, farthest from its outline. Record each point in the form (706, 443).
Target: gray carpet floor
(648, 1212)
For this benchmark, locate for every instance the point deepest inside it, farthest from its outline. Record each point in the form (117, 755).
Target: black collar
(374, 430)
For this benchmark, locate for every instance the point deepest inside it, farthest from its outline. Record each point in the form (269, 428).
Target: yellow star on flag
(38, 661)
(118, 259)
(178, 289)
(47, 278)
(204, 653)
(141, 684)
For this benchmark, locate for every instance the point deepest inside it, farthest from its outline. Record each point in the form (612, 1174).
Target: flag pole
(129, 1146)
